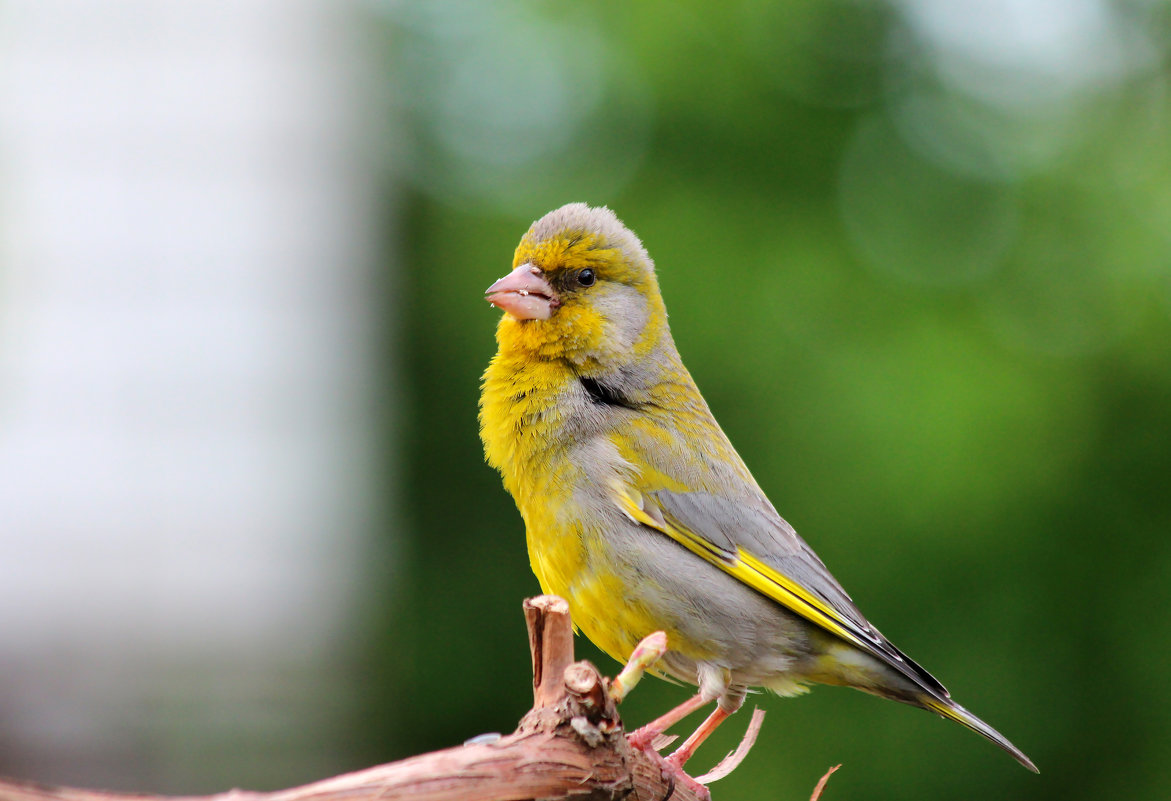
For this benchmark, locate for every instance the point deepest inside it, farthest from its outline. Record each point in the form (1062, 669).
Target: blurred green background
(918, 258)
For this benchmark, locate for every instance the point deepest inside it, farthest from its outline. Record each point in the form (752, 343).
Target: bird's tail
(949, 709)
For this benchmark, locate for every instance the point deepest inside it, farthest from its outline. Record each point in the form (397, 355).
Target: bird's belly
(580, 568)
(628, 581)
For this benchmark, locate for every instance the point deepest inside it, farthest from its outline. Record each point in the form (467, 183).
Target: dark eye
(586, 277)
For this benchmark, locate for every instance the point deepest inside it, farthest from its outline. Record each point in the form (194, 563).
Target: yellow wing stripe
(746, 568)
(784, 590)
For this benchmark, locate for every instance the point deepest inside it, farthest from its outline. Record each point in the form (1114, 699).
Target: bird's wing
(751, 542)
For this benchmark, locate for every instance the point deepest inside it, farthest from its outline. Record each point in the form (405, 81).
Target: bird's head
(582, 289)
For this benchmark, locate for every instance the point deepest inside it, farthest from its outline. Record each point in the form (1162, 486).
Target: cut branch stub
(551, 644)
(585, 683)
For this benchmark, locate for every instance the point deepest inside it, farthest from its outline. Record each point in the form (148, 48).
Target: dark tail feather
(953, 711)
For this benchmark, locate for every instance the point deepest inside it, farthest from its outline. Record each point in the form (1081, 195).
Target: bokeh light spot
(912, 220)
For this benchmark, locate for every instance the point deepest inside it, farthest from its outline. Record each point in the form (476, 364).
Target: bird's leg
(642, 737)
(684, 752)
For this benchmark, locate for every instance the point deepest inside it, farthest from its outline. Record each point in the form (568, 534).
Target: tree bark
(570, 745)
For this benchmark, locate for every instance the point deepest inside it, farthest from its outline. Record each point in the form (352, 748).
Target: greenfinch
(638, 510)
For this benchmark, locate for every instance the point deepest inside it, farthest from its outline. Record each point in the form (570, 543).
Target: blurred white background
(187, 200)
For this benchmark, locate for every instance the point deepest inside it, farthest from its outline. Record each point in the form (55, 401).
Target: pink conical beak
(524, 294)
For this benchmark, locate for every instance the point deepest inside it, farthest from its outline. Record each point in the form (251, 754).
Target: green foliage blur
(918, 258)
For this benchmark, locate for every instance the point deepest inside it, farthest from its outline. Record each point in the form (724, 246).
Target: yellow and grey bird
(637, 508)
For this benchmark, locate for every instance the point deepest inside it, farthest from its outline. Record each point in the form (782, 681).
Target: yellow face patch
(571, 252)
(575, 328)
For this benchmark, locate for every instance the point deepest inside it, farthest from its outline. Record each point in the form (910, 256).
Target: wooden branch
(570, 745)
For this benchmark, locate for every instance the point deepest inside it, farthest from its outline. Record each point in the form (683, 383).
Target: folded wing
(753, 543)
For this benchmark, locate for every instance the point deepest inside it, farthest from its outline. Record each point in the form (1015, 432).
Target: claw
(644, 737)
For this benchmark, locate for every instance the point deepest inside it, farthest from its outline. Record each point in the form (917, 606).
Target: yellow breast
(521, 424)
